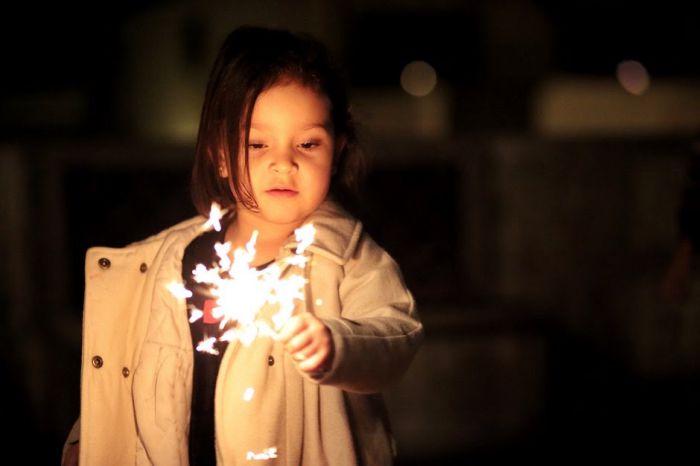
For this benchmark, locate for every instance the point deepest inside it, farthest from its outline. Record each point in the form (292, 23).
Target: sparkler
(242, 291)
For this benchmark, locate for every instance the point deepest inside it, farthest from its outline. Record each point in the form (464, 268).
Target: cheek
(253, 173)
(324, 178)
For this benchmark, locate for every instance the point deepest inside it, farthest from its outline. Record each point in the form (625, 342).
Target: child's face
(290, 151)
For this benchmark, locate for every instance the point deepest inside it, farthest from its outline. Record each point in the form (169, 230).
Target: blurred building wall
(558, 195)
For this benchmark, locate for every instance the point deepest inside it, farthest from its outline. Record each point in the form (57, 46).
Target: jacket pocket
(159, 400)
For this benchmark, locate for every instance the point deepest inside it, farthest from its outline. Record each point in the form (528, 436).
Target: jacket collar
(337, 232)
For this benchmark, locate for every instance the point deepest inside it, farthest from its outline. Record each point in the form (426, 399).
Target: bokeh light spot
(418, 78)
(633, 77)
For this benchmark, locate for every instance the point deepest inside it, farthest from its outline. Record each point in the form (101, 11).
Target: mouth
(282, 192)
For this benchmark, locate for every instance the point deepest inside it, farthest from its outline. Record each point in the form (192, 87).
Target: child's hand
(308, 341)
(71, 455)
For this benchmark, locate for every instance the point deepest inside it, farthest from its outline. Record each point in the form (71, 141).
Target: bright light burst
(178, 290)
(266, 454)
(242, 291)
(215, 215)
(305, 236)
(207, 346)
(248, 394)
(195, 315)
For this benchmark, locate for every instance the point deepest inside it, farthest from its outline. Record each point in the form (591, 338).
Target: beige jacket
(137, 359)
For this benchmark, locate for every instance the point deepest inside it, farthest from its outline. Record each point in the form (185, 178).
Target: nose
(283, 163)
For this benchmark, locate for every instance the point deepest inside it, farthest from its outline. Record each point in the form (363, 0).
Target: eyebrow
(262, 126)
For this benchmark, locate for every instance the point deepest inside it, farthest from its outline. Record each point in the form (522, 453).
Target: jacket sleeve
(72, 439)
(378, 331)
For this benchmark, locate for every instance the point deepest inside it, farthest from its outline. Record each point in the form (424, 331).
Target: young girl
(275, 138)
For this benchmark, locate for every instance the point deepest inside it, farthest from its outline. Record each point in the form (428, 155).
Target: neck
(271, 237)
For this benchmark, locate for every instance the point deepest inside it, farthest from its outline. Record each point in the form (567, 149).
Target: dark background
(535, 254)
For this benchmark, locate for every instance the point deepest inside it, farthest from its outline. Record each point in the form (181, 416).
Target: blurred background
(532, 172)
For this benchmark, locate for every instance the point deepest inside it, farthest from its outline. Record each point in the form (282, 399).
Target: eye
(309, 145)
(256, 145)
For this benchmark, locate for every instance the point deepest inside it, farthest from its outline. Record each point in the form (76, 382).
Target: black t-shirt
(202, 450)
(206, 365)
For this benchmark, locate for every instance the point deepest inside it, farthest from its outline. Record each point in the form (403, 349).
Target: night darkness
(535, 243)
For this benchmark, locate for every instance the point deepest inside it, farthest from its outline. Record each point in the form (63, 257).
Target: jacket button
(270, 360)
(97, 362)
(125, 372)
(104, 263)
(143, 267)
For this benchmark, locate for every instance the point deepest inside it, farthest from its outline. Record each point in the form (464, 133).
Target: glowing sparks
(207, 346)
(266, 454)
(299, 261)
(195, 315)
(178, 290)
(242, 291)
(215, 215)
(305, 236)
(222, 251)
(249, 302)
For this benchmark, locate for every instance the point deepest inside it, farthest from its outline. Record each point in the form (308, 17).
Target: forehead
(290, 105)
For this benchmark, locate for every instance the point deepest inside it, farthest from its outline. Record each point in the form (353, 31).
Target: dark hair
(250, 61)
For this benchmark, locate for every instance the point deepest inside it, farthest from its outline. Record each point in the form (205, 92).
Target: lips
(282, 192)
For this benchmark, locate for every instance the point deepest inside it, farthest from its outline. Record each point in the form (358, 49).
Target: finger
(315, 331)
(292, 327)
(315, 362)
(299, 342)
(321, 358)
